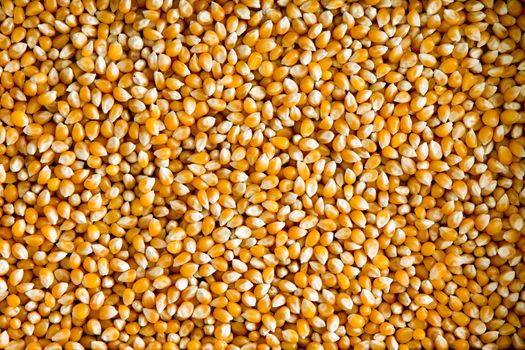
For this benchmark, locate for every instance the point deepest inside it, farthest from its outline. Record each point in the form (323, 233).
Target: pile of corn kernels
(262, 174)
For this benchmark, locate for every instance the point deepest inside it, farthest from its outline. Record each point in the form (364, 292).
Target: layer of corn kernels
(262, 174)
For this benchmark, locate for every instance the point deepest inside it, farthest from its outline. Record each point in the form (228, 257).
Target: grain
(260, 174)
